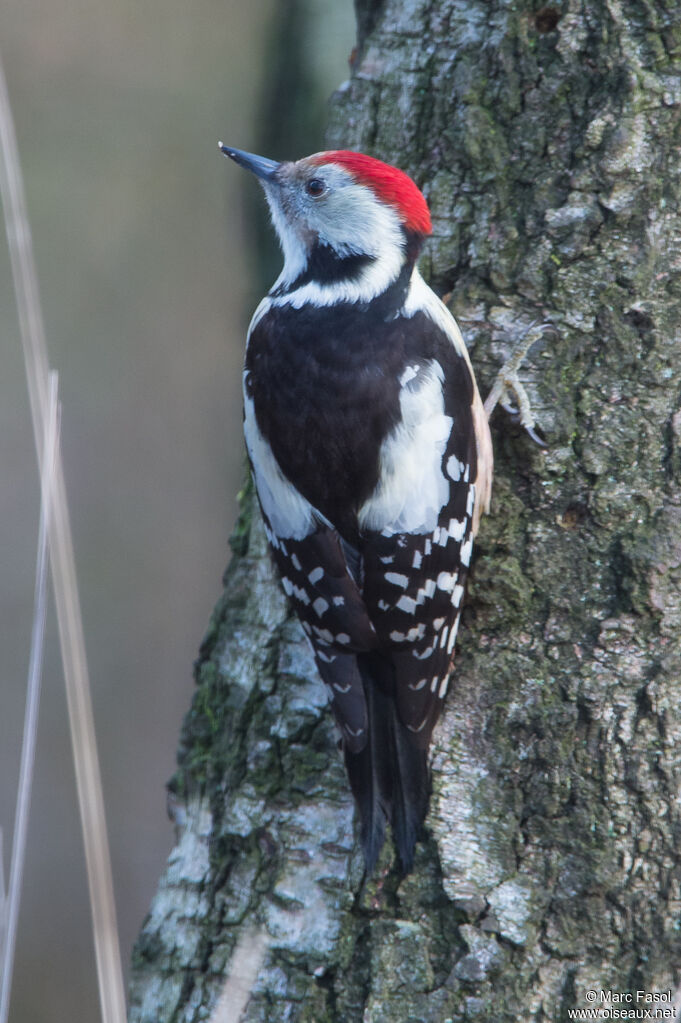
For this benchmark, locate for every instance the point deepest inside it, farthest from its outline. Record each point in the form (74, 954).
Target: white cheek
(353, 221)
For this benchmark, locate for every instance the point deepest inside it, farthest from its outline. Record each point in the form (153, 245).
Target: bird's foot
(508, 383)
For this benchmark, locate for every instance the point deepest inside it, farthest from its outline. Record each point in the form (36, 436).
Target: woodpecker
(372, 460)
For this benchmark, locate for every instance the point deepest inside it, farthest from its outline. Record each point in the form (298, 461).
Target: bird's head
(337, 205)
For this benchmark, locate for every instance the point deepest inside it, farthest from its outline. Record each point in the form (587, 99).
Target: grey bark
(547, 142)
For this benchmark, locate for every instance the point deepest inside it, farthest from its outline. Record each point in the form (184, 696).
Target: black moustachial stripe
(326, 266)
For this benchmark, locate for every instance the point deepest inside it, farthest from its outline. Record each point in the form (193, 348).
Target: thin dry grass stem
(3, 901)
(88, 778)
(247, 958)
(11, 903)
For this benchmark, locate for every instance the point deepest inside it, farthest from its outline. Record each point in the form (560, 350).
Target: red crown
(390, 184)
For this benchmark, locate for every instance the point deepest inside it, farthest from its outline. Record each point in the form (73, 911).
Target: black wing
(326, 598)
(414, 585)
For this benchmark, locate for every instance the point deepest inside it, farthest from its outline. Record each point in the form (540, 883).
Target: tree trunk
(547, 143)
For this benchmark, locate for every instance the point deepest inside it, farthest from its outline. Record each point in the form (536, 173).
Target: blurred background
(151, 254)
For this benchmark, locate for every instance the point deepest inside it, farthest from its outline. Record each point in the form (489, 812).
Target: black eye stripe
(314, 187)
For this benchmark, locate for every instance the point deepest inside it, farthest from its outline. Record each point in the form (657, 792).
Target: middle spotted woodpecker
(372, 460)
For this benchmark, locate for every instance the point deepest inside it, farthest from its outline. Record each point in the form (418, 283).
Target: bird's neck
(325, 277)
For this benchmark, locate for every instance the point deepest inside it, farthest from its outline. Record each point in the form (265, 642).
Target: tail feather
(389, 777)
(368, 790)
(412, 793)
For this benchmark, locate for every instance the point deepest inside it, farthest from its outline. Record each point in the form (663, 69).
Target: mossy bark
(547, 140)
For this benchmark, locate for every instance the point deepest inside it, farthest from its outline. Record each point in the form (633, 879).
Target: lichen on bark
(547, 141)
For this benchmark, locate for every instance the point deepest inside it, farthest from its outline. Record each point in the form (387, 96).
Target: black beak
(258, 165)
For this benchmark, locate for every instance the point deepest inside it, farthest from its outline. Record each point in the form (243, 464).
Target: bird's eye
(314, 187)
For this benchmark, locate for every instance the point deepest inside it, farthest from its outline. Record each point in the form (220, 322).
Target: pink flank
(390, 184)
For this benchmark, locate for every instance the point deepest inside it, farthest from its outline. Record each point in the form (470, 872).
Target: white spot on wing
(457, 529)
(343, 638)
(407, 604)
(457, 595)
(396, 579)
(426, 591)
(296, 563)
(316, 574)
(466, 551)
(418, 685)
(294, 591)
(320, 606)
(446, 581)
(455, 468)
(443, 687)
(418, 558)
(452, 636)
(411, 636)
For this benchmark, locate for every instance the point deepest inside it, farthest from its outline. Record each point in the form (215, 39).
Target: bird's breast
(328, 389)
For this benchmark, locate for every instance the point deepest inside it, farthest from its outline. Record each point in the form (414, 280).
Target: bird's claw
(533, 435)
(508, 382)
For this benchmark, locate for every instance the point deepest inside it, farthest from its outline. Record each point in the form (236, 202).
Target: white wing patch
(412, 487)
(421, 298)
